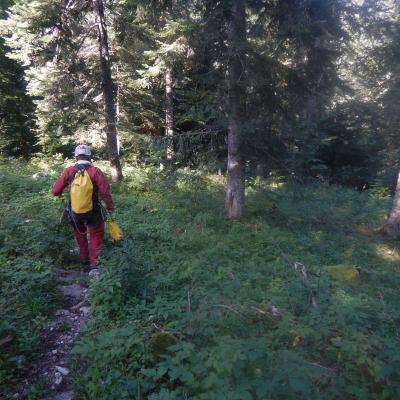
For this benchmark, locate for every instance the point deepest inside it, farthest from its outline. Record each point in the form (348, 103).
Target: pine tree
(161, 50)
(108, 89)
(234, 201)
(57, 43)
(389, 56)
(16, 108)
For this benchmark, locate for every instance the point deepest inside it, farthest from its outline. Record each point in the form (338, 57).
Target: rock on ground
(74, 291)
(62, 396)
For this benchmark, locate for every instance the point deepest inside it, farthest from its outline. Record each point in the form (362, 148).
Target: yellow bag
(81, 193)
(114, 230)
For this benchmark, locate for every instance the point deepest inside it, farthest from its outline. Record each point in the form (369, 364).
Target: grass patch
(191, 306)
(31, 244)
(227, 293)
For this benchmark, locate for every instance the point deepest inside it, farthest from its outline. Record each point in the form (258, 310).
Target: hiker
(86, 183)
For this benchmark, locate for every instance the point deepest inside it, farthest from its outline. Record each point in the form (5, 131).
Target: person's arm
(104, 189)
(61, 183)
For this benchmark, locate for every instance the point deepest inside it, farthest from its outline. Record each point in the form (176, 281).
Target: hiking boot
(94, 274)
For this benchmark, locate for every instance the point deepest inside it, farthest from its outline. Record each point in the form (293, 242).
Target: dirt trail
(62, 331)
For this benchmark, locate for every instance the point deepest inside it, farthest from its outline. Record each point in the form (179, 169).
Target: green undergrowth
(299, 300)
(31, 244)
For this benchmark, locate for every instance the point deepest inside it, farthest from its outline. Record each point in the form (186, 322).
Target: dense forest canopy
(317, 94)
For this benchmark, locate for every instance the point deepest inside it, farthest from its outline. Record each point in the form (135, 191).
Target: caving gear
(114, 230)
(81, 191)
(92, 221)
(101, 187)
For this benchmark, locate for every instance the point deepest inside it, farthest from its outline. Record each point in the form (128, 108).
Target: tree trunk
(169, 113)
(260, 170)
(107, 85)
(312, 111)
(234, 200)
(117, 109)
(392, 226)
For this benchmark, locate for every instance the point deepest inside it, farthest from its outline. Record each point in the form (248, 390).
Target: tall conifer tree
(17, 136)
(234, 201)
(109, 92)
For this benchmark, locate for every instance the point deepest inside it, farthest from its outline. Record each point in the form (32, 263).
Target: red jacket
(100, 185)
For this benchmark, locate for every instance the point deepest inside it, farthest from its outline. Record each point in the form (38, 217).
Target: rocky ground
(58, 338)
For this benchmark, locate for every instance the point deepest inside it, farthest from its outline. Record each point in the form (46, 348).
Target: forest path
(62, 331)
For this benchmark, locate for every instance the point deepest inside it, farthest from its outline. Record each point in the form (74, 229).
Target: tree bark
(117, 111)
(234, 200)
(260, 170)
(312, 111)
(169, 112)
(392, 225)
(107, 85)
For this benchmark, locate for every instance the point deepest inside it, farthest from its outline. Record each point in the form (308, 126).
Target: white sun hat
(82, 150)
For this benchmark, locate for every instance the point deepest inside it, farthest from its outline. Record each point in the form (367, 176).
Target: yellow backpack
(81, 191)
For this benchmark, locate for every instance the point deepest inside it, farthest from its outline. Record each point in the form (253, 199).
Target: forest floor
(64, 326)
(302, 294)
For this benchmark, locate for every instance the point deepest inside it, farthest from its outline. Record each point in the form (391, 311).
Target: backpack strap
(81, 168)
